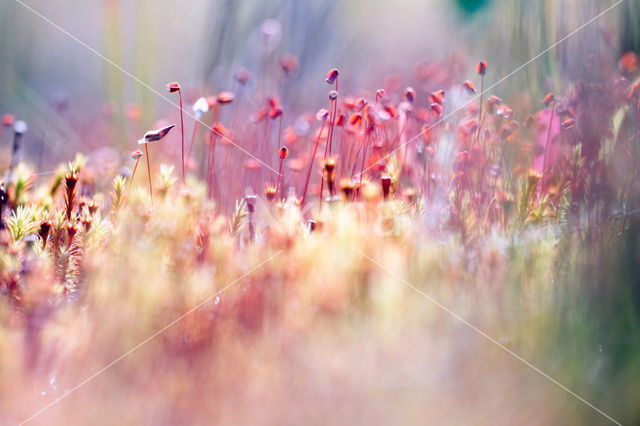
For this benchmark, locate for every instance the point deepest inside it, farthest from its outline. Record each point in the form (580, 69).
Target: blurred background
(61, 88)
(581, 327)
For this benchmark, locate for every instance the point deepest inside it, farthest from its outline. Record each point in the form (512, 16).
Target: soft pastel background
(46, 75)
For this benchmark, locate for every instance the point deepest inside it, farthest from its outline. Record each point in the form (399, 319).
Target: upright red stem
(401, 136)
(495, 181)
(133, 174)
(327, 147)
(481, 105)
(357, 155)
(280, 131)
(279, 177)
(364, 155)
(211, 164)
(546, 148)
(321, 189)
(332, 118)
(315, 150)
(182, 132)
(480, 120)
(437, 142)
(193, 138)
(281, 159)
(146, 149)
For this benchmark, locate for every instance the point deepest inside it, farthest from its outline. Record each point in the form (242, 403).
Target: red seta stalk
(311, 160)
(210, 165)
(137, 155)
(182, 133)
(193, 138)
(172, 88)
(477, 138)
(133, 174)
(211, 159)
(546, 147)
(146, 149)
(283, 153)
(333, 96)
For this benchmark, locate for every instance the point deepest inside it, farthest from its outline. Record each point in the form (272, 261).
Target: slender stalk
(357, 155)
(364, 155)
(146, 149)
(441, 129)
(327, 148)
(193, 138)
(477, 138)
(332, 118)
(133, 174)
(481, 106)
(279, 177)
(315, 150)
(342, 147)
(401, 138)
(15, 155)
(321, 190)
(281, 159)
(495, 181)
(546, 148)
(280, 131)
(182, 132)
(211, 163)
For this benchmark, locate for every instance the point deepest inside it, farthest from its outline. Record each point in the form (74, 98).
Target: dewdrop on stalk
(20, 127)
(200, 108)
